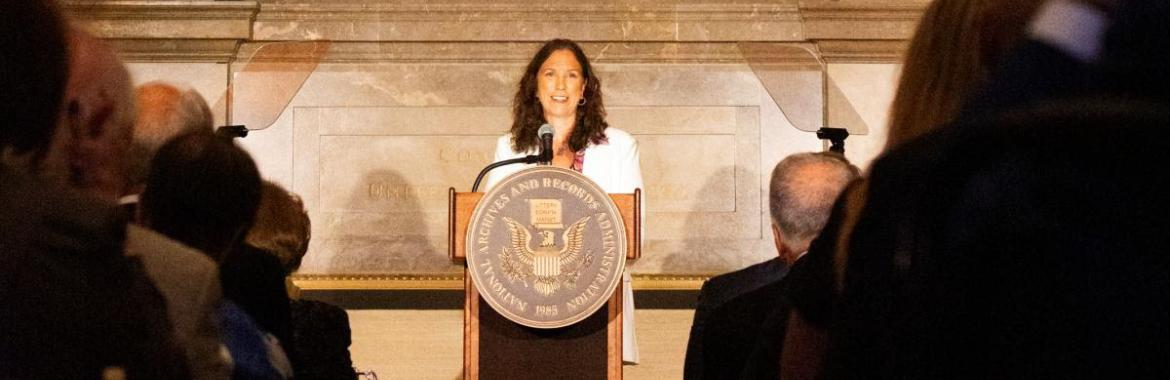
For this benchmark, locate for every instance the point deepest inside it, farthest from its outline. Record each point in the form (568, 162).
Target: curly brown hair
(282, 227)
(528, 115)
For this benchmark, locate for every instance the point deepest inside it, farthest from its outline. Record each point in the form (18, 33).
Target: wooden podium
(497, 348)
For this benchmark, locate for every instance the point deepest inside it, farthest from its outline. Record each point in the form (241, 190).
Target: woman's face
(560, 84)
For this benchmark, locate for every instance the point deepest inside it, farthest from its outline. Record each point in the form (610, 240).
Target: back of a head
(33, 73)
(955, 46)
(203, 191)
(282, 226)
(164, 111)
(802, 191)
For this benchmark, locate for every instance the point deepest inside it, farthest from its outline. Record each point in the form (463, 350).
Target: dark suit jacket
(764, 360)
(71, 303)
(1031, 245)
(734, 331)
(718, 291)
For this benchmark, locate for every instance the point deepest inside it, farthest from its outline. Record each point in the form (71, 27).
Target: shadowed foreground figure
(1039, 251)
(71, 305)
(204, 191)
(187, 278)
(1026, 241)
(321, 331)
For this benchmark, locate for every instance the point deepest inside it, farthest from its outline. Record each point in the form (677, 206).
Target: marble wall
(372, 109)
(373, 148)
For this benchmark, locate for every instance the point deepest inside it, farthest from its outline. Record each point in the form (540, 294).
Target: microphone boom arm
(543, 157)
(529, 159)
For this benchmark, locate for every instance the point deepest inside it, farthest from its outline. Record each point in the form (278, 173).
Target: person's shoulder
(729, 285)
(762, 272)
(619, 137)
(146, 243)
(758, 302)
(53, 218)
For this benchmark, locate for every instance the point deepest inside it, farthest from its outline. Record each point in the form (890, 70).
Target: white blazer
(613, 165)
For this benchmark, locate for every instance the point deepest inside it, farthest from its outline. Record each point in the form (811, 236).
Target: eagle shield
(548, 268)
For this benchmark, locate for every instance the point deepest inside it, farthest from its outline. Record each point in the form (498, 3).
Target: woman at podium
(560, 88)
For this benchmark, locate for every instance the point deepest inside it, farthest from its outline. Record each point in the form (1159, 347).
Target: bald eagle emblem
(547, 268)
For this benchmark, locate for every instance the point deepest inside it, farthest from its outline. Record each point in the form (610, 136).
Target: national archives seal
(546, 247)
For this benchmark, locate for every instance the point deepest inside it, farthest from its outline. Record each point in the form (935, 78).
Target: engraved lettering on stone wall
(464, 156)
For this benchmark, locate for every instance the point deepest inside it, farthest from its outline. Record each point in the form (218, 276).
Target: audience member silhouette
(164, 111)
(732, 307)
(73, 305)
(204, 191)
(187, 278)
(321, 331)
(1026, 240)
(953, 53)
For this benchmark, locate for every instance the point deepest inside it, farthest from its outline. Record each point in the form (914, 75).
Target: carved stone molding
(177, 50)
(668, 282)
(310, 282)
(862, 51)
(526, 21)
(385, 30)
(188, 31)
(836, 21)
(513, 52)
(377, 282)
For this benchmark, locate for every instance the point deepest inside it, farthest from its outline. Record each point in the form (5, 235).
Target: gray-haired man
(732, 307)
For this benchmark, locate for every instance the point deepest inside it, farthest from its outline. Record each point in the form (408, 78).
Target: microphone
(546, 135)
(545, 156)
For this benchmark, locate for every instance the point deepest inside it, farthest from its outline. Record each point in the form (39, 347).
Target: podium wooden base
(497, 348)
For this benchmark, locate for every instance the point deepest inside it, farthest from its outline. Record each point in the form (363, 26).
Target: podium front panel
(497, 348)
(508, 350)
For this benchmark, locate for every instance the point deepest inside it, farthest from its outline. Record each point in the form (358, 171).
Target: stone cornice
(517, 11)
(200, 31)
(869, 22)
(520, 52)
(176, 50)
(162, 10)
(862, 51)
(517, 21)
(385, 30)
